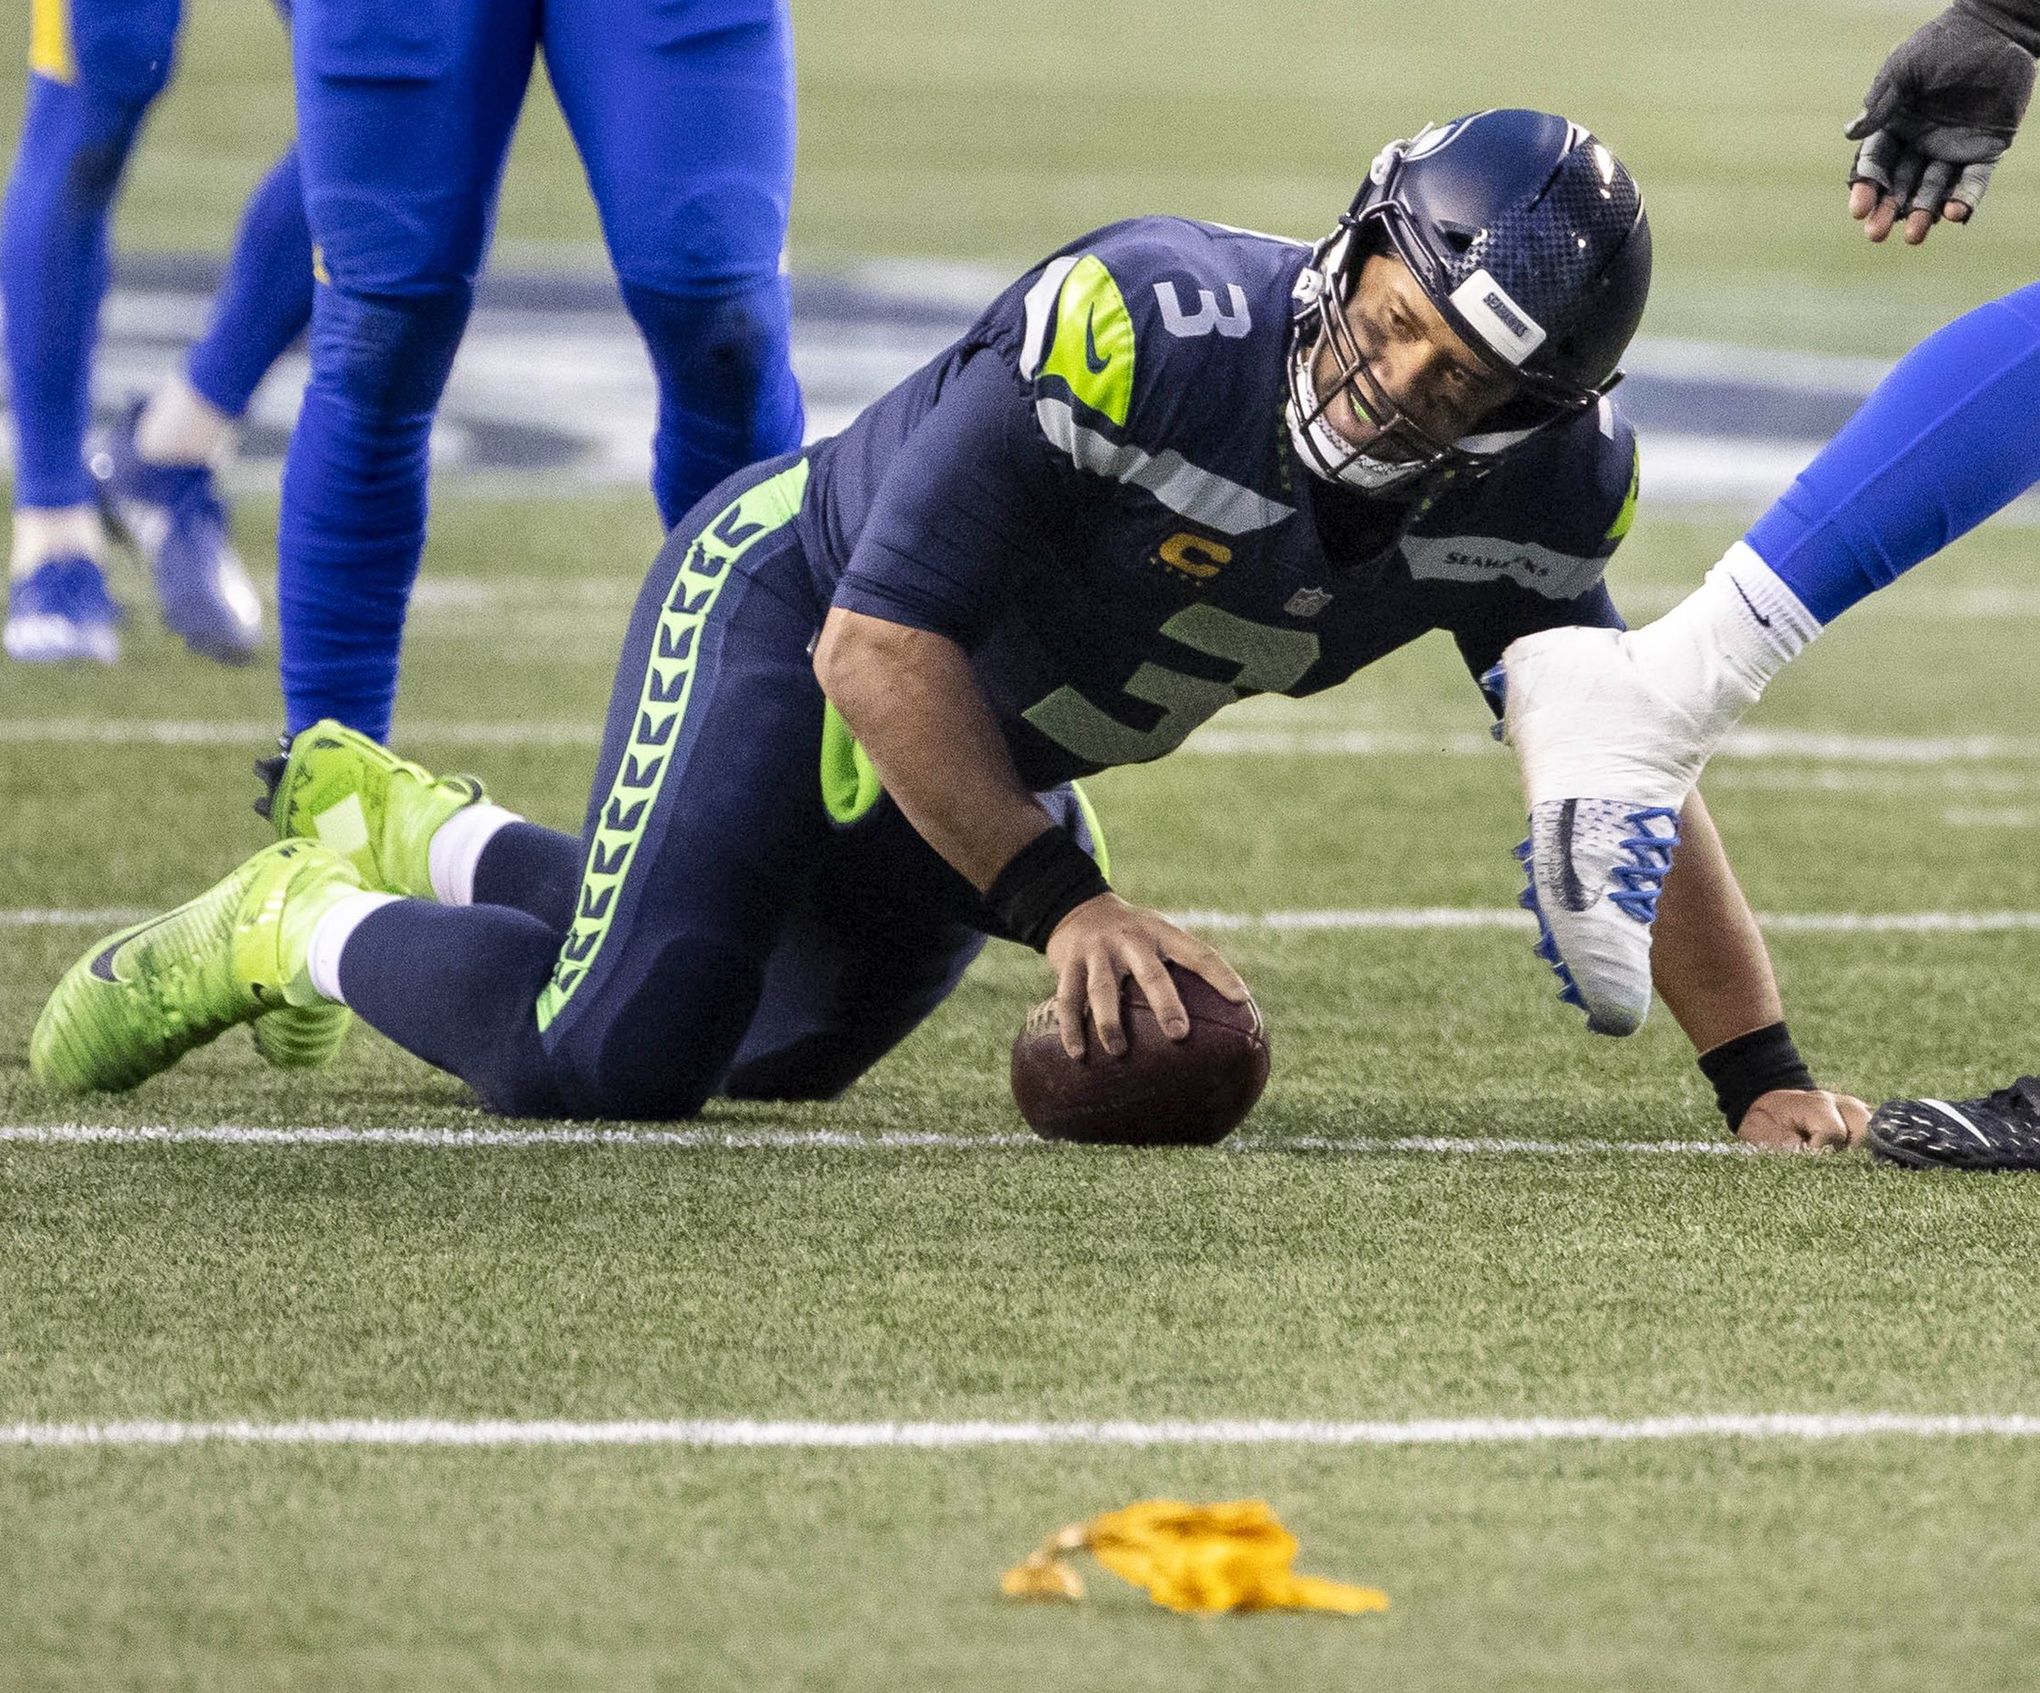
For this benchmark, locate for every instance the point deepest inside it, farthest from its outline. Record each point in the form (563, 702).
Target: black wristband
(1743, 1070)
(1043, 883)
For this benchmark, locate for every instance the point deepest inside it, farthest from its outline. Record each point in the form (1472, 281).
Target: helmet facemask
(1528, 238)
(1403, 455)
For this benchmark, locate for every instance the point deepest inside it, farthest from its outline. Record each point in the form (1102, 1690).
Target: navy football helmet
(1529, 237)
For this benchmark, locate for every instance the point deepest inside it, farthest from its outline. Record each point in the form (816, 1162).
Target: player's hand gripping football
(1104, 941)
(1939, 116)
(1789, 1120)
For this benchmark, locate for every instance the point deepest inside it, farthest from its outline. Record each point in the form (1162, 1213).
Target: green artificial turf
(1022, 1283)
(1026, 1283)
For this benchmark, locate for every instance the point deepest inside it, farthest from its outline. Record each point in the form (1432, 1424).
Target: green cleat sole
(301, 1037)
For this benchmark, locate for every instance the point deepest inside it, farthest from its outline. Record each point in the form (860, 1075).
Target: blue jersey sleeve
(969, 508)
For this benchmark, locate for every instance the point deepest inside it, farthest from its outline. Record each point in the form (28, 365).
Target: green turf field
(1318, 1271)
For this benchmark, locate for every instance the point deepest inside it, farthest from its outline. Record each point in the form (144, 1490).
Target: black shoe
(1998, 1132)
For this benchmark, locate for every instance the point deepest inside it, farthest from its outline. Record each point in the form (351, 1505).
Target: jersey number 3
(1269, 661)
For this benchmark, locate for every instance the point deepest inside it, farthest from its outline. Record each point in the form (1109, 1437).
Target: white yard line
(1391, 919)
(792, 1140)
(33, 917)
(747, 1433)
(184, 732)
(1508, 917)
(488, 602)
(1812, 746)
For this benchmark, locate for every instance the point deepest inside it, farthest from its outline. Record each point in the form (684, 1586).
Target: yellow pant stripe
(49, 40)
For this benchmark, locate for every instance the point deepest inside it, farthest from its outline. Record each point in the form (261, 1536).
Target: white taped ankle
(42, 533)
(180, 425)
(330, 936)
(457, 847)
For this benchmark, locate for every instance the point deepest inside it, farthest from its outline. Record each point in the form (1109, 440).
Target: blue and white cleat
(1594, 870)
(63, 612)
(174, 519)
(1608, 759)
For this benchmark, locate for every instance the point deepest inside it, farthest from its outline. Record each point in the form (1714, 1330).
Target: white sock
(457, 847)
(180, 425)
(330, 936)
(42, 533)
(1717, 649)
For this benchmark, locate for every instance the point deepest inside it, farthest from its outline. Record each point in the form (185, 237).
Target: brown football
(1159, 1092)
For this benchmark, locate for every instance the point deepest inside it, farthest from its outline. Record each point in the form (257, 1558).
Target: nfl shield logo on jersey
(1307, 602)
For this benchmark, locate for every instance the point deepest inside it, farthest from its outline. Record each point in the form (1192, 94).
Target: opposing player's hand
(1104, 941)
(1937, 119)
(1788, 1120)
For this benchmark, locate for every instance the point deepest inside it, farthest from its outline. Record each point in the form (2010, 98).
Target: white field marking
(744, 1432)
(1818, 746)
(453, 593)
(113, 917)
(1778, 745)
(1392, 919)
(1990, 817)
(1910, 782)
(792, 1140)
(179, 732)
(1508, 917)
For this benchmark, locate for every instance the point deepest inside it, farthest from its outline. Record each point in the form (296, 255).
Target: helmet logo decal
(1488, 309)
(1431, 139)
(1232, 320)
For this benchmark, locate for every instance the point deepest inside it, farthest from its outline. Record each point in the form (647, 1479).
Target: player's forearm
(913, 704)
(1708, 958)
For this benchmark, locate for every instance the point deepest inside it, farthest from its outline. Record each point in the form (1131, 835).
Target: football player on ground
(95, 67)
(1173, 466)
(683, 114)
(1607, 725)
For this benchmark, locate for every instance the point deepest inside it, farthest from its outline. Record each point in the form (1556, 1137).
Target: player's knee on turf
(652, 1039)
(818, 1067)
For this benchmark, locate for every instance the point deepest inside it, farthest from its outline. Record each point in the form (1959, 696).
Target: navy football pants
(718, 928)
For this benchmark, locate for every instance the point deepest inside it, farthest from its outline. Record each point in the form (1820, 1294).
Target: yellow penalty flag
(1233, 1556)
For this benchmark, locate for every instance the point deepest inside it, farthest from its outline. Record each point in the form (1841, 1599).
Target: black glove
(1946, 105)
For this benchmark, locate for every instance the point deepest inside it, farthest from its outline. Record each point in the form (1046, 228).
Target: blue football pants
(683, 114)
(96, 66)
(1949, 437)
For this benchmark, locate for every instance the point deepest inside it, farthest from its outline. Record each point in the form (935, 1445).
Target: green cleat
(301, 1037)
(141, 999)
(353, 795)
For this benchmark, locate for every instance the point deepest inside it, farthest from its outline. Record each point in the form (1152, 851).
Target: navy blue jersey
(1094, 493)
